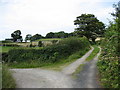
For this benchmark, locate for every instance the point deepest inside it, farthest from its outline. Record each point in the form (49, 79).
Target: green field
(6, 48)
(49, 39)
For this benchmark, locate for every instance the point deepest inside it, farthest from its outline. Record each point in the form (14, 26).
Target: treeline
(109, 61)
(60, 34)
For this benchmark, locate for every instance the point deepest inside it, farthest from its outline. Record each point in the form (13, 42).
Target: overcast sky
(43, 16)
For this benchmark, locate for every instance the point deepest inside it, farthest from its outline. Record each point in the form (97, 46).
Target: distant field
(49, 39)
(6, 48)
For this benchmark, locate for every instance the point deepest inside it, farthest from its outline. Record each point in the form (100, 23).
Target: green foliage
(7, 79)
(40, 44)
(5, 41)
(93, 54)
(88, 25)
(60, 34)
(49, 54)
(16, 35)
(4, 49)
(58, 65)
(36, 37)
(109, 61)
(28, 37)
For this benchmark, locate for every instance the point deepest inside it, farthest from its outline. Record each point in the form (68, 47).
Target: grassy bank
(94, 53)
(7, 79)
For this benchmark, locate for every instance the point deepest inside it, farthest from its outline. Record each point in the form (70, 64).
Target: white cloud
(43, 16)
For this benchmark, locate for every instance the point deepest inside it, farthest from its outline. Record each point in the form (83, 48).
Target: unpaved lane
(87, 78)
(39, 78)
(73, 66)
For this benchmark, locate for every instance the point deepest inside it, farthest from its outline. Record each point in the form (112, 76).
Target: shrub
(109, 61)
(4, 56)
(40, 44)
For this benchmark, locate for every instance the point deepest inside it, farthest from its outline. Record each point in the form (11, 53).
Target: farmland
(87, 57)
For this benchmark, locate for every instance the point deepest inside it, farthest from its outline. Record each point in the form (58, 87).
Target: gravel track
(40, 78)
(88, 77)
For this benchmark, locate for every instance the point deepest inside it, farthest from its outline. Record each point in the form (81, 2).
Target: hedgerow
(109, 61)
(51, 53)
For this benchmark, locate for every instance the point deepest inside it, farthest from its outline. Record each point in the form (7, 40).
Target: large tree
(28, 37)
(16, 36)
(88, 25)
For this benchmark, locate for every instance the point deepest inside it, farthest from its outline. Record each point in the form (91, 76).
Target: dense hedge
(49, 54)
(109, 61)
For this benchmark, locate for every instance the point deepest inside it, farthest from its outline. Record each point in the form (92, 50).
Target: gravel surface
(87, 78)
(73, 66)
(40, 78)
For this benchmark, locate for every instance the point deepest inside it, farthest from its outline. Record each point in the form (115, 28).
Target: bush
(51, 53)
(40, 44)
(109, 61)
(4, 56)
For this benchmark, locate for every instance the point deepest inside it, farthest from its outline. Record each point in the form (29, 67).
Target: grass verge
(77, 70)
(7, 79)
(90, 57)
(93, 54)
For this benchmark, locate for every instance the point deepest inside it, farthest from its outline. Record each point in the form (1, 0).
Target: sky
(44, 16)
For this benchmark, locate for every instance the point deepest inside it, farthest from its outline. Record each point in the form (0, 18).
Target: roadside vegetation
(64, 62)
(94, 53)
(109, 60)
(7, 79)
(58, 49)
(0, 75)
(47, 55)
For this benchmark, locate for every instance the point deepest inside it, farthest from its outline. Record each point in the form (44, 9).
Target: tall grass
(7, 79)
